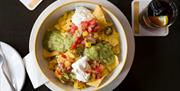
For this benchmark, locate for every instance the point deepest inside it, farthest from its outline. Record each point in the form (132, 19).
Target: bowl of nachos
(79, 46)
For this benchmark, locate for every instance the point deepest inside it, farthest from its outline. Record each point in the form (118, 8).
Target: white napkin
(36, 77)
(31, 4)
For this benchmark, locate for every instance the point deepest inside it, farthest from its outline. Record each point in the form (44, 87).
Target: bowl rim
(50, 13)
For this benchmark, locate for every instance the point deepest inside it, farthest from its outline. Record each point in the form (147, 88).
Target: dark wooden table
(156, 65)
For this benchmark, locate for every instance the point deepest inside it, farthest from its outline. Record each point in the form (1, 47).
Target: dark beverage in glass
(159, 13)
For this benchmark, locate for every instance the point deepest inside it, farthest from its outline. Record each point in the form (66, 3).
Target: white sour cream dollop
(79, 68)
(81, 14)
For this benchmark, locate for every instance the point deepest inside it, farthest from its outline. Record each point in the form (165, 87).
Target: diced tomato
(85, 24)
(63, 56)
(96, 28)
(90, 29)
(93, 28)
(90, 26)
(74, 45)
(93, 22)
(72, 31)
(99, 68)
(78, 40)
(74, 27)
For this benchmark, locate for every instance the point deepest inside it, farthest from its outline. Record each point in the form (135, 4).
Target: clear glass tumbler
(158, 14)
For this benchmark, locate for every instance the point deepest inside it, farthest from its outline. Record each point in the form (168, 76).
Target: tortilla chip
(79, 85)
(64, 22)
(96, 83)
(105, 72)
(112, 66)
(116, 49)
(99, 14)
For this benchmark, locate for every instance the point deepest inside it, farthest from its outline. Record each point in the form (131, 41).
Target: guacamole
(56, 41)
(101, 51)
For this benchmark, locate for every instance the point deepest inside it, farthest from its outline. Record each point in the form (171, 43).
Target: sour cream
(81, 14)
(79, 68)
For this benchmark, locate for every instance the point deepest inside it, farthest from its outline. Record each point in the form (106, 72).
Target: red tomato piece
(74, 27)
(74, 45)
(90, 29)
(96, 28)
(93, 22)
(78, 40)
(85, 24)
(71, 31)
(63, 55)
(99, 68)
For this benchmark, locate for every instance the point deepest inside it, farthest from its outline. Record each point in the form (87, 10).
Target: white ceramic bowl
(48, 19)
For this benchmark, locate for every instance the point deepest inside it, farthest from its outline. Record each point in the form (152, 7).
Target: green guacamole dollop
(57, 41)
(101, 51)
